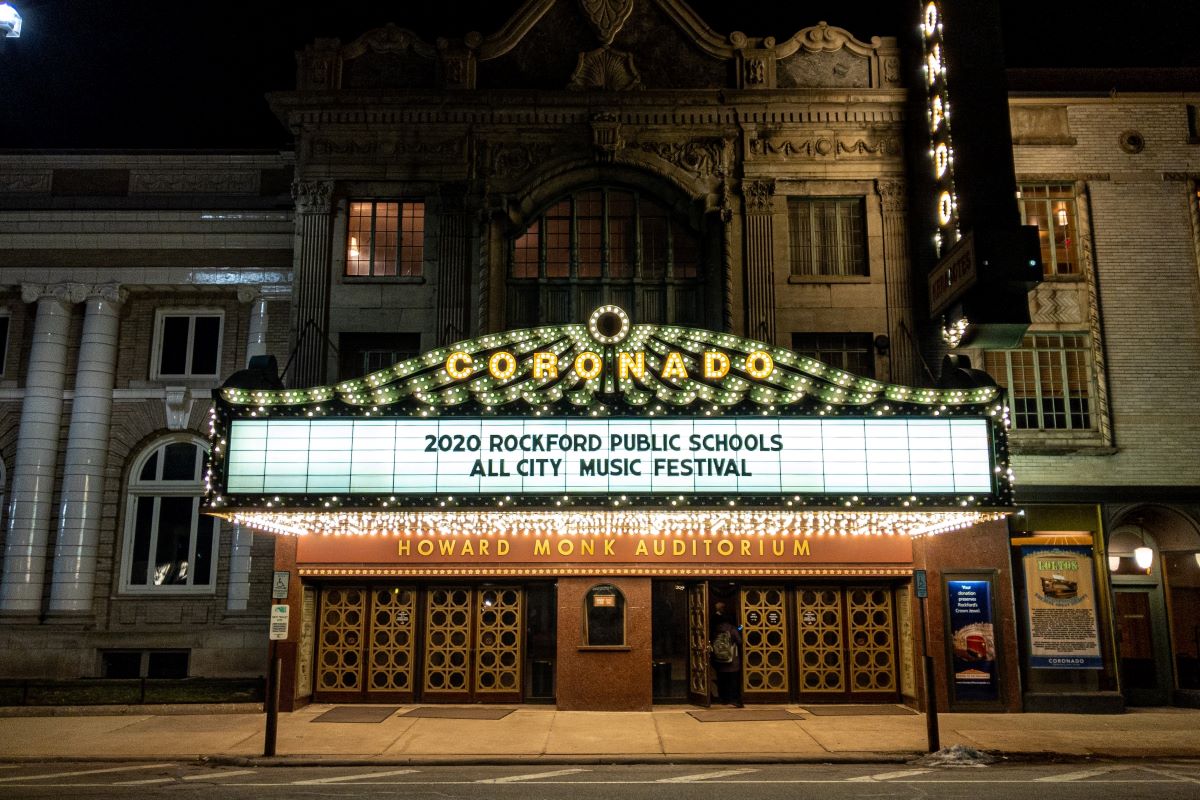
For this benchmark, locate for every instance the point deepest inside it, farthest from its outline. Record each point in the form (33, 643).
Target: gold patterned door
(473, 644)
(846, 643)
(365, 644)
(698, 666)
(764, 644)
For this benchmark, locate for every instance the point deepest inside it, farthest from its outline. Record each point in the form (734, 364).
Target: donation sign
(973, 640)
(568, 456)
(1061, 598)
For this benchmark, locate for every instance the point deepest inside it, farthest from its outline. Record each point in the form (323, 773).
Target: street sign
(279, 623)
(921, 582)
(279, 586)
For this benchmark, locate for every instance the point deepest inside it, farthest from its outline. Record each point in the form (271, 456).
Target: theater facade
(551, 514)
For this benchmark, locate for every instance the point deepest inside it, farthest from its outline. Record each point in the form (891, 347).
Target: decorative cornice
(830, 146)
(25, 182)
(388, 39)
(702, 157)
(825, 38)
(384, 147)
(190, 182)
(312, 197)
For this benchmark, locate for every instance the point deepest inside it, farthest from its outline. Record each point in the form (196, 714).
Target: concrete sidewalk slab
(521, 733)
(603, 732)
(680, 733)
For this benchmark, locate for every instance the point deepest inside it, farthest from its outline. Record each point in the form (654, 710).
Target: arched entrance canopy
(609, 426)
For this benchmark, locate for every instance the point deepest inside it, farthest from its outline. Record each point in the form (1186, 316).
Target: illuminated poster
(972, 640)
(1062, 608)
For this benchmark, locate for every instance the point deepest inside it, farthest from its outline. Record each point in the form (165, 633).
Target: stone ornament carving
(824, 38)
(385, 148)
(607, 70)
(312, 197)
(507, 160)
(826, 147)
(607, 17)
(893, 196)
(177, 406)
(703, 157)
(111, 293)
(606, 136)
(388, 39)
(1054, 302)
(179, 182)
(755, 71)
(25, 182)
(1131, 142)
(758, 195)
(891, 71)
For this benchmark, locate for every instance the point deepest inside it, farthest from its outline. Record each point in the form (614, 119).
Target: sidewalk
(534, 734)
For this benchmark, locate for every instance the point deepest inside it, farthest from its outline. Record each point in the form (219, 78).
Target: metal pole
(931, 706)
(271, 702)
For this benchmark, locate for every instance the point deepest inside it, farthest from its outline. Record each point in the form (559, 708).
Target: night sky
(183, 74)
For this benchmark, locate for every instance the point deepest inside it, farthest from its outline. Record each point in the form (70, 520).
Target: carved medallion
(605, 69)
(607, 17)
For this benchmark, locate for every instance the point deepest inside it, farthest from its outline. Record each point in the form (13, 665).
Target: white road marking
(214, 775)
(1082, 774)
(887, 776)
(344, 778)
(1170, 774)
(145, 782)
(704, 776)
(533, 776)
(83, 772)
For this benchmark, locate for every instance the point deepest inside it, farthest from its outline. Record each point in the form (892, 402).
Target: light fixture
(1197, 557)
(10, 22)
(1144, 556)
(1114, 563)
(1062, 216)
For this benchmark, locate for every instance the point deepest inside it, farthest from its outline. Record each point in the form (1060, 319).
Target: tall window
(169, 545)
(4, 318)
(1051, 207)
(1049, 379)
(827, 236)
(187, 344)
(363, 353)
(852, 352)
(385, 239)
(605, 245)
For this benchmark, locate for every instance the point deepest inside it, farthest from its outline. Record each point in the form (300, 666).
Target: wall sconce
(1144, 556)
(1114, 563)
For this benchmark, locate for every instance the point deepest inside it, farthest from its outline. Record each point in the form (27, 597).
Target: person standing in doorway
(726, 648)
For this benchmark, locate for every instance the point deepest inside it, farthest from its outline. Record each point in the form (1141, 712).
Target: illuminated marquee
(941, 148)
(603, 415)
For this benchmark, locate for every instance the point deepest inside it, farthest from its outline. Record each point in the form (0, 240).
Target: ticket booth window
(604, 617)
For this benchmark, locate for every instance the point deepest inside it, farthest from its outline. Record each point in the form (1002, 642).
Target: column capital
(114, 293)
(893, 195)
(65, 293)
(759, 196)
(248, 294)
(312, 197)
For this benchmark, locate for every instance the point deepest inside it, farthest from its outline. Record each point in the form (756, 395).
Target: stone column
(37, 449)
(87, 454)
(897, 276)
(311, 279)
(760, 259)
(243, 538)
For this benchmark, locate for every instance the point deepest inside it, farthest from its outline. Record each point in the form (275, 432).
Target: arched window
(169, 545)
(605, 245)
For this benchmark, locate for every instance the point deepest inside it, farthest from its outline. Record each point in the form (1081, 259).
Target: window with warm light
(1049, 381)
(1051, 208)
(605, 245)
(827, 236)
(169, 545)
(385, 239)
(852, 352)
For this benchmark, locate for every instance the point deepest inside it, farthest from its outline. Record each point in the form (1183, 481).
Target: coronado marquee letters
(714, 365)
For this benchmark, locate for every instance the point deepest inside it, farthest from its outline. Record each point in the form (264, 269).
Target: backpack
(724, 649)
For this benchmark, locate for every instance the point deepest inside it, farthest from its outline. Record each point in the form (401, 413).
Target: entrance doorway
(439, 643)
(1143, 680)
(801, 642)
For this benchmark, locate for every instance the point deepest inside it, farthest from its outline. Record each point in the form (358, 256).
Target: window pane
(1051, 208)
(412, 239)
(852, 352)
(142, 528)
(179, 462)
(173, 357)
(202, 574)
(685, 252)
(150, 468)
(3, 341)
(358, 247)
(174, 541)
(1050, 380)
(827, 236)
(558, 241)
(654, 241)
(621, 234)
(387, 233)
(206, 342)
(525, 253)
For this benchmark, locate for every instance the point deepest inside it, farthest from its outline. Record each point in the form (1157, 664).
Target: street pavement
(542, 735)
(1160, 779)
